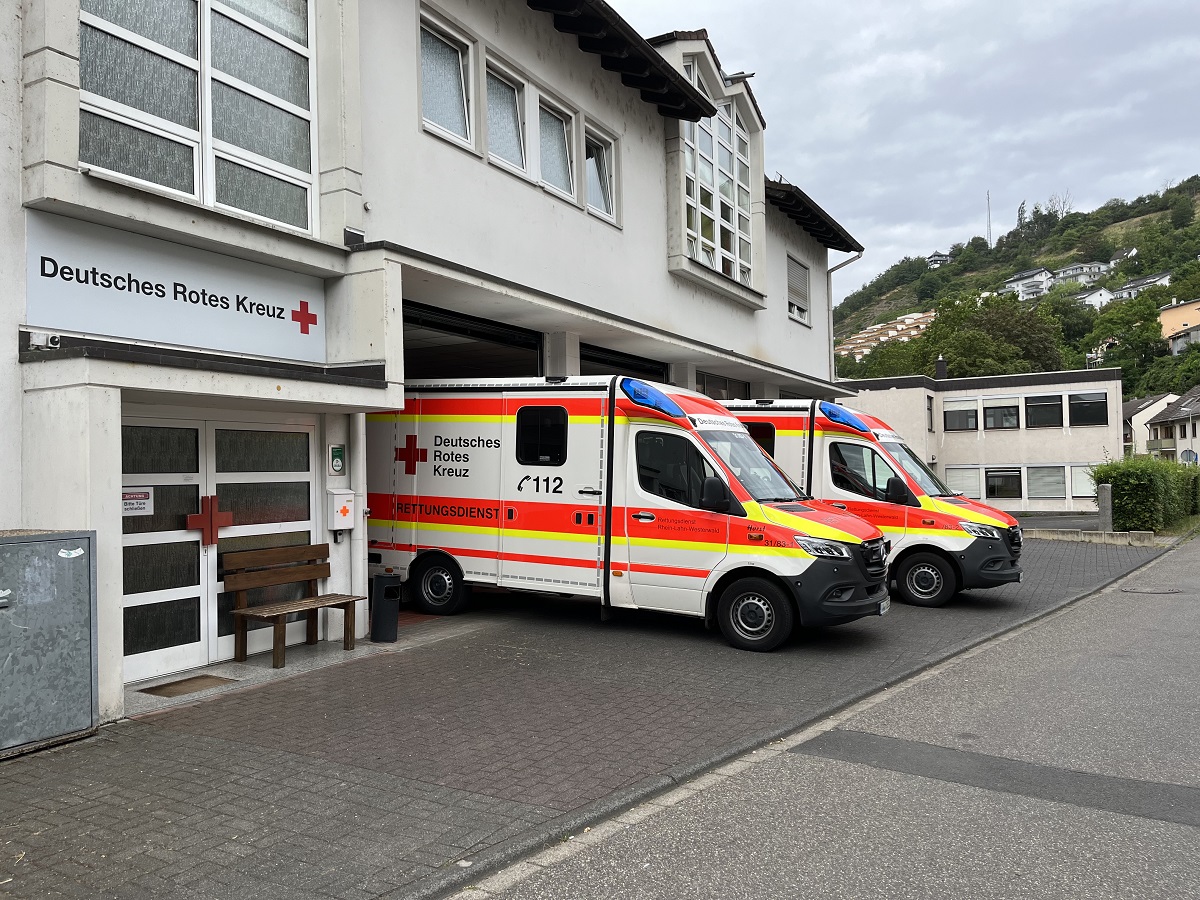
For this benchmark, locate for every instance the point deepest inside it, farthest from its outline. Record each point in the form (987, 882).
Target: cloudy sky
(898, 116)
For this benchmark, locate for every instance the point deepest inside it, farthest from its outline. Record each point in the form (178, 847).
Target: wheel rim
(752, 616)
(437, 585)
(925, 581)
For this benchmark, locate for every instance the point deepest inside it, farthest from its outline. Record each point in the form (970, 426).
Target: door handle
(644, 516)
(838, 505)
(591, 492)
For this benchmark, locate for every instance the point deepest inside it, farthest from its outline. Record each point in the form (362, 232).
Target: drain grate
(187, 686)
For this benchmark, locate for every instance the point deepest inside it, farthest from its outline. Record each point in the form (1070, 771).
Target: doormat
(187, 686)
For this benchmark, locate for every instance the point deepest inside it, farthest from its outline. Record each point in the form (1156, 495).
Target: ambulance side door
(856, 478)
(552, 491)
(673, 544)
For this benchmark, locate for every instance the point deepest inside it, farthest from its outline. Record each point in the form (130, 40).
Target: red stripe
(492, 554)
(670, 570)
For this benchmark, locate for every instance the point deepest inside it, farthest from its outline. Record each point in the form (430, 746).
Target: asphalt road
(1058, 761)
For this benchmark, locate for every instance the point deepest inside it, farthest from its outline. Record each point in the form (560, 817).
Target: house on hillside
(1184, 338)
(1121, 255)
(937, 259)
(1031, 283)
(1096, 296)
(1085, 273)
(1135, 286)
(1176, 317)
(904, 328)
(1135, 414)
(1174, 430)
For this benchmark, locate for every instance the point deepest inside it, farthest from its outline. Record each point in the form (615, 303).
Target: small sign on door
(137, 501)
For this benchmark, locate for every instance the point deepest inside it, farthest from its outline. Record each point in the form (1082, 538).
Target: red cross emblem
(305, 318)
(208, 520)
(410, 455)
(344, 511)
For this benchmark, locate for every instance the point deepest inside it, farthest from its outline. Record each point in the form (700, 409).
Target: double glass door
(193, 491)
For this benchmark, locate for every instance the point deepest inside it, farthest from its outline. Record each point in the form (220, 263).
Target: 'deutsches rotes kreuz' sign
(89, 279)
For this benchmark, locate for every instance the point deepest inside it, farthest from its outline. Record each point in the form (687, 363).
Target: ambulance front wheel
(926, 579)
(438, 588)
(755, 614)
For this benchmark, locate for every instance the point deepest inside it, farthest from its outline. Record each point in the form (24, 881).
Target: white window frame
(570, 131)
(1082, 472)
(1029, 483)
(977, 492)
(519, 86)
(805, 314)
(592, 135)
(205, 147)
(467, 48)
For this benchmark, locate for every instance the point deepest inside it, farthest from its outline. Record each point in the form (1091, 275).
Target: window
(1047, 481)
(960, 415)
(672, 467)
(445, 74)
(598, 161)
(964, 481)
(763, 434)
(541, 435)
(1001, 414)
(506, 136)
(1003, 484)
(1043, 412)
(860, 470)
(1089, 409)
(210, 100)
(797, 290)
(716, 159)
(555, 144)
(720, 388)
(929, 414)
(1082, 484)
(1193, 428)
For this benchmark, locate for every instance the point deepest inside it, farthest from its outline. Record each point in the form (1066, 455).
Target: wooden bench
(252, 569)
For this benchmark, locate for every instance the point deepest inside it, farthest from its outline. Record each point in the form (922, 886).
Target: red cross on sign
(344, 511)
(208, 520)
(410, 455)
(304, 317)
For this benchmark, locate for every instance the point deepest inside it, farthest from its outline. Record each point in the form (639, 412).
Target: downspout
(829, 297)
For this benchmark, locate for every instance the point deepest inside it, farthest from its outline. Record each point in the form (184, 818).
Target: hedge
(1148, 493)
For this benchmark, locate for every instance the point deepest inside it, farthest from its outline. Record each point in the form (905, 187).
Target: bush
(1149, 494)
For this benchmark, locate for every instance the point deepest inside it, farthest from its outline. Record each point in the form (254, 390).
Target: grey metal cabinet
(47, 637)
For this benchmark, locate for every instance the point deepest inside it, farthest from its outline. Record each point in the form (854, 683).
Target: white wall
(12, 267)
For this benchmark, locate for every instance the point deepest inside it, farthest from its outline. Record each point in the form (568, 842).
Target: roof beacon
(645, 395)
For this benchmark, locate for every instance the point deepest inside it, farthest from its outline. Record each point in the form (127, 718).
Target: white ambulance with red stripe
(941, 541)
(640, 495)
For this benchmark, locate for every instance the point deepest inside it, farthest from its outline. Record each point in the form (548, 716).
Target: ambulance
(941, 542)
(640, 495)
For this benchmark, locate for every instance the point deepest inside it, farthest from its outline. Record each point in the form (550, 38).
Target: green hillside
(999, 335)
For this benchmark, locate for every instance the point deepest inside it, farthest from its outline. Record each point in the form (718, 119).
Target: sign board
(101, 281)
(137, 501)
(337, 459)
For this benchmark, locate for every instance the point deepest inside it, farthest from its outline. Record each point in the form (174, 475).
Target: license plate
(885, 605)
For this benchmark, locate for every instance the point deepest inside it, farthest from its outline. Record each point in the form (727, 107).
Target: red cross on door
(305, 318)
(208, 520)
(410, 455)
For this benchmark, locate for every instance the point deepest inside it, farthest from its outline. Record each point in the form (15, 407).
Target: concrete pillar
(1104, 503)
(562, 354)
(761, 390)
(683, 375)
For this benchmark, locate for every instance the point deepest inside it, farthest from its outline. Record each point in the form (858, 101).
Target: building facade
(1022, 443)
(232, 229)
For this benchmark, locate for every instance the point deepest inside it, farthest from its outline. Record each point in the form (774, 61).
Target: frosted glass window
(259, 127)
(288, 17)
(964, 481)
(504, 122)
(599, 183)
(135, 77)
(171, 23)
(258, 60)
(1047, 481)
(443, 84)
(241, 450)
(160, 567)
(263, 502)
(156, 626)
(556, 158)
(261, 194)
(173, 503)
(108, 144)
(1082, 484)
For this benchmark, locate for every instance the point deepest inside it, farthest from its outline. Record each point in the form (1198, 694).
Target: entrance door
(193, 491)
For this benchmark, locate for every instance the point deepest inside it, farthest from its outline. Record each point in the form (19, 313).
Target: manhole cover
(1151, 591)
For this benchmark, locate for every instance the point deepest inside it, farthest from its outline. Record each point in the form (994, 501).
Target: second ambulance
(942, 542)
(639, 495)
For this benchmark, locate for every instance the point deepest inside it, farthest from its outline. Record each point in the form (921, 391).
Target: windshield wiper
(778, 499)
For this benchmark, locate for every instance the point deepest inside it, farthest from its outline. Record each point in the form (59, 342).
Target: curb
(557, 830)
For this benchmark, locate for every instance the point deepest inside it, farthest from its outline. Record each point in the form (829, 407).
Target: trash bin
(385, 607)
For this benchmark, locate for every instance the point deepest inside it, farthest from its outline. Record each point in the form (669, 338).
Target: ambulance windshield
(917, 470)
(757, 474)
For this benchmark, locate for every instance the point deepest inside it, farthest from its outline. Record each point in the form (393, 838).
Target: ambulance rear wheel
(438, 587)
(755, 614)
(925, 579)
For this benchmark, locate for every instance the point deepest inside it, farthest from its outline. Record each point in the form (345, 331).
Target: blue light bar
(843, 416)
(651, 397)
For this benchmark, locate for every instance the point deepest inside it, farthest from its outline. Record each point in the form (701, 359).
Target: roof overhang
(801, 209)
(600, 30)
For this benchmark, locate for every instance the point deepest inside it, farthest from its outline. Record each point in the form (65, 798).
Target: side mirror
(714, 496)
(897, 491)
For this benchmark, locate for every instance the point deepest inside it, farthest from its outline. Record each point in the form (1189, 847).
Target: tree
(1183, 210)
(1021, 215)
(1173, 374)
(1075, 318)
(1128, 334)
(1060, 205)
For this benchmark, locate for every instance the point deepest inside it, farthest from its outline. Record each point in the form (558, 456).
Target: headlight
(981, 531)
(816, 547)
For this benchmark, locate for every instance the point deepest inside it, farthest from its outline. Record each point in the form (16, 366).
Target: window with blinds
(1001, 413)
(1047, 481)
(964, 481)
(960, 415)
(1082, 484)
(798, 305)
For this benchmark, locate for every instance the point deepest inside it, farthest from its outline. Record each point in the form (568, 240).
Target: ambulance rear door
(552, 491)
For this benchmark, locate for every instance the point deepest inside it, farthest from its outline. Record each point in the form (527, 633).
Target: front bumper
(836, 591)
(987, 563)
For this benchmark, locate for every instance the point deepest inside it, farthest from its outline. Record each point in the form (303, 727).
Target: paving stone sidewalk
(376, 778)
